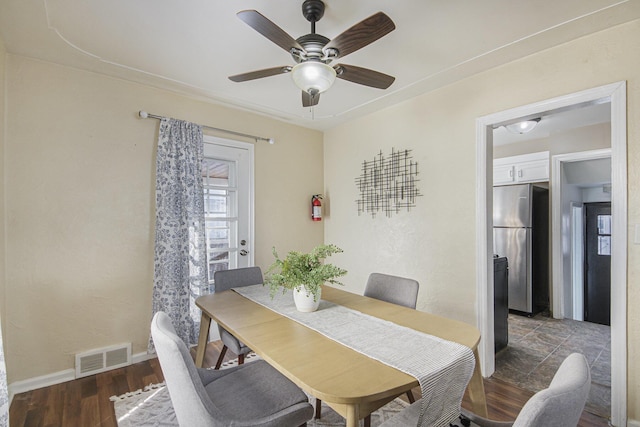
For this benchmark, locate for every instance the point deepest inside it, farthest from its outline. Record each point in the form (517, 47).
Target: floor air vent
(103, 359)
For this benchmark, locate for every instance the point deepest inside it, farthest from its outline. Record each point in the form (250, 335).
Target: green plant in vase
(304, 271)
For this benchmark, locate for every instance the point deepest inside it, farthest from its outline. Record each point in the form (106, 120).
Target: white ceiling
(588, 173)
(194, 45)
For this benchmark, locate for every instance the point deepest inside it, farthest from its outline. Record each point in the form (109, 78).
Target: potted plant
(304, 274)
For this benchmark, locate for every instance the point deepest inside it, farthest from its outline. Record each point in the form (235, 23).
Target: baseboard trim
(58, 377)
(39, 382)
(141, 357)
(633, 423)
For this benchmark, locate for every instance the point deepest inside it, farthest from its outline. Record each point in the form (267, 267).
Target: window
(221, 214)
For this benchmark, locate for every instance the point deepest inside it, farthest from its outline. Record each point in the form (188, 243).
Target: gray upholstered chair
(202, 397)
(394, 289)
(560, 405)
(227, 279)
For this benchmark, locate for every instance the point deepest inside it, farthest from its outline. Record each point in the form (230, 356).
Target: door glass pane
(215, 172)
(604, 245)
(604, 224)
(221, 220)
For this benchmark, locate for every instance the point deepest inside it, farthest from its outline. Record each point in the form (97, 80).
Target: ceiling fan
(314, 52)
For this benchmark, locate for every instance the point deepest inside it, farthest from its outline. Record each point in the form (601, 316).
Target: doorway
(615, 94)
(576, 178)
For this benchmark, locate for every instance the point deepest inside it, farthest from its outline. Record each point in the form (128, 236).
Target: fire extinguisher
(316, 207)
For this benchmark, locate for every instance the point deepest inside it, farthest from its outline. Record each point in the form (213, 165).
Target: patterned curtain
(180, 256)
(4, 392)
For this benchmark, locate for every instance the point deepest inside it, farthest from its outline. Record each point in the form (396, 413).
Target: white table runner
(443, 368)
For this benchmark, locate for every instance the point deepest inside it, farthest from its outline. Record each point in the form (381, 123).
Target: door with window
(228, 204)
(597, 277)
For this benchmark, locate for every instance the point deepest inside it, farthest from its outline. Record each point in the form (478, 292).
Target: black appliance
(501, 302)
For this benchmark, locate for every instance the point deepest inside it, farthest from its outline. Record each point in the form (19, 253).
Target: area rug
(151, 407)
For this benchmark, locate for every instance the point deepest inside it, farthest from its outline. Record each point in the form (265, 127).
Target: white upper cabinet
(532, 167)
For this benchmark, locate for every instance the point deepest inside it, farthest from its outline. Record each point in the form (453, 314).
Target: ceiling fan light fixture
(313, 76)
(523, 126)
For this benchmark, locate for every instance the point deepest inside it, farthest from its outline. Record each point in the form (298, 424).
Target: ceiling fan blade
(264, 26)
(361, 34)
(363, 76)
(308, 100)
(267, 72)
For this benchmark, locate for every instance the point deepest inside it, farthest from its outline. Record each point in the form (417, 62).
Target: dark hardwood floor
(85, 402)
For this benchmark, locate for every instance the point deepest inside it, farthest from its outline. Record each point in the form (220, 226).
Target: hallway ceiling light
(524, 126)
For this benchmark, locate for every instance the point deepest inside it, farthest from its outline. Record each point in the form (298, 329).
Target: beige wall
(435, 242)
(80, 206)
(3, 55)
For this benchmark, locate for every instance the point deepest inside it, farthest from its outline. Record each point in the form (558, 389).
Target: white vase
(305, 300)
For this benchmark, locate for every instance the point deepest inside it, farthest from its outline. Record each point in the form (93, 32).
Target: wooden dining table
(349, 382)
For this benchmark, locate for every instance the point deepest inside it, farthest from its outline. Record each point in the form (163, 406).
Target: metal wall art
(388, 184)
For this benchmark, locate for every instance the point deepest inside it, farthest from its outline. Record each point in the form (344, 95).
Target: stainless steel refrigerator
(521, 233)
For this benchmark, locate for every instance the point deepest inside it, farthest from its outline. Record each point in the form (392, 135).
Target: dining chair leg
(410, 397)
(367, 421)
(221, 357)
(318, 409)
(240, 359)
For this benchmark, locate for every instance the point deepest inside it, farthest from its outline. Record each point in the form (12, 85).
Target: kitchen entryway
(537, 346)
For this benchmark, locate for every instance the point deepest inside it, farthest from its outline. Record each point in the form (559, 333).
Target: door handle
(243, 252)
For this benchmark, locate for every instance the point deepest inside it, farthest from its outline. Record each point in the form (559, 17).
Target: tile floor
(538, 345)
